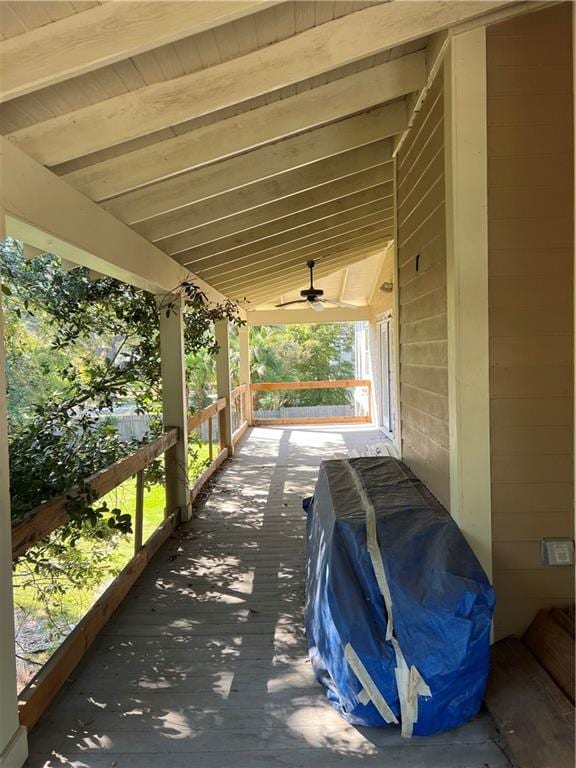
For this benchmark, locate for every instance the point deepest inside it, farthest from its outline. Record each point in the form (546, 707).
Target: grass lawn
(69, 607)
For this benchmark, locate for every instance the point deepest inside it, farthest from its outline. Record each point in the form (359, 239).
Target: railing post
(13, 742)
(223, 383)
(210, 439)
(175, 407)
(139, 516)
(244, 349)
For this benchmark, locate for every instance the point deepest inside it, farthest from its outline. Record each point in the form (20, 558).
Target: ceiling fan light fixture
(311, 296)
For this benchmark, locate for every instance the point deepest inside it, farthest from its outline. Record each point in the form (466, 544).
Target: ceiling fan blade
(317, 306)
(288, 303)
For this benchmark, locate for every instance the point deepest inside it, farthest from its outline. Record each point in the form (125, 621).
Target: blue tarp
(439, 599)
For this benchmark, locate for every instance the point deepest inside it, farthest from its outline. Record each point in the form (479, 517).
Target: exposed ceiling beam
(279, 277)
(285, 265)
(342, 289)
(303, 56)
(271, 295)
(372, 179)
(282, 278)
(295, 152)
(289, 225)
(104, 35)
(306, 316)
(45, 212)
(271, 290)
(293, 236)
(271, 257)
(285, 185)
(282, 268)
(257, 127)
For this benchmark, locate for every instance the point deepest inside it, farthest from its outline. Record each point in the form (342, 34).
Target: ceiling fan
(313, 296)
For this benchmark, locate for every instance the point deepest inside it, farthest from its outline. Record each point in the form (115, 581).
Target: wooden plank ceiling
(354, 285)
(242, 138)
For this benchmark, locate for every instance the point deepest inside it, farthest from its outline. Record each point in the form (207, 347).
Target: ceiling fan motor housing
(312, 292)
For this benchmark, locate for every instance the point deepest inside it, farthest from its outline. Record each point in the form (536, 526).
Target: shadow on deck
(205, 664)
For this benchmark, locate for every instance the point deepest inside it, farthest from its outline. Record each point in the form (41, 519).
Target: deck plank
(205, 664)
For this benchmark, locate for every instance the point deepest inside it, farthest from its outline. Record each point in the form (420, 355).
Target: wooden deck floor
(205, 665)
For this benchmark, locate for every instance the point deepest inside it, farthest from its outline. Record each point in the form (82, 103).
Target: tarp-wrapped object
(398, 608)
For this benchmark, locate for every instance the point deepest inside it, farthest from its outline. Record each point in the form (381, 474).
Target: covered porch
(206, 661)
(422, 155)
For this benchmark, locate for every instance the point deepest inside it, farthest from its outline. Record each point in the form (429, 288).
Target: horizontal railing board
(315, 420)
(38, 694)
(271, 386)
(198, 418)
(238, 390)
(47, 517)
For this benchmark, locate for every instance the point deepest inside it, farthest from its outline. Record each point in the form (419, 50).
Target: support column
(223, 383)
(467, 284)
(13, 742)
(244, 349)
(396, 323)
(175, 408)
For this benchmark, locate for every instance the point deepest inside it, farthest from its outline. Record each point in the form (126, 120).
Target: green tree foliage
(75, 349)
(32, 368)
(85, 346)
(201, 378)
(201, 372)
(302, 353)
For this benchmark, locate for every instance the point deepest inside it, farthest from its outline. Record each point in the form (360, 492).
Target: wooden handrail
(271, 386)
(41, 690)
(238, 397)
(238, 391)
(197, 419)
(280, 386)
(46, 518)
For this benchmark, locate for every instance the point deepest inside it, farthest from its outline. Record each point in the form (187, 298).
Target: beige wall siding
(530, 214)
(422, 286)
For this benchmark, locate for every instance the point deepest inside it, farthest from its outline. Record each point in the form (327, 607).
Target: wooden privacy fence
(282, 386)
(47, 517)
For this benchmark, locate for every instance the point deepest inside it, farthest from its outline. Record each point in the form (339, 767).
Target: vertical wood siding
(422, 286)
(530, 214)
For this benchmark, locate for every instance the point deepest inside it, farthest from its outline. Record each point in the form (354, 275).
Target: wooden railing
(46, 518)
(282, 386)
(239, 411)
(195, 422)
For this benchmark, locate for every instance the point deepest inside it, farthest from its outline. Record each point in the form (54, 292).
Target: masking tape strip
(409, 681)
(364, 697)
(369, 685)
(373, 549)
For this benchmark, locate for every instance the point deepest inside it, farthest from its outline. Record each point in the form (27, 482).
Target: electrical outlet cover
(558, 551)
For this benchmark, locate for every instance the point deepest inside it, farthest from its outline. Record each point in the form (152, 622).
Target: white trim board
(45, 212)
(297, 316)
(467, 288)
